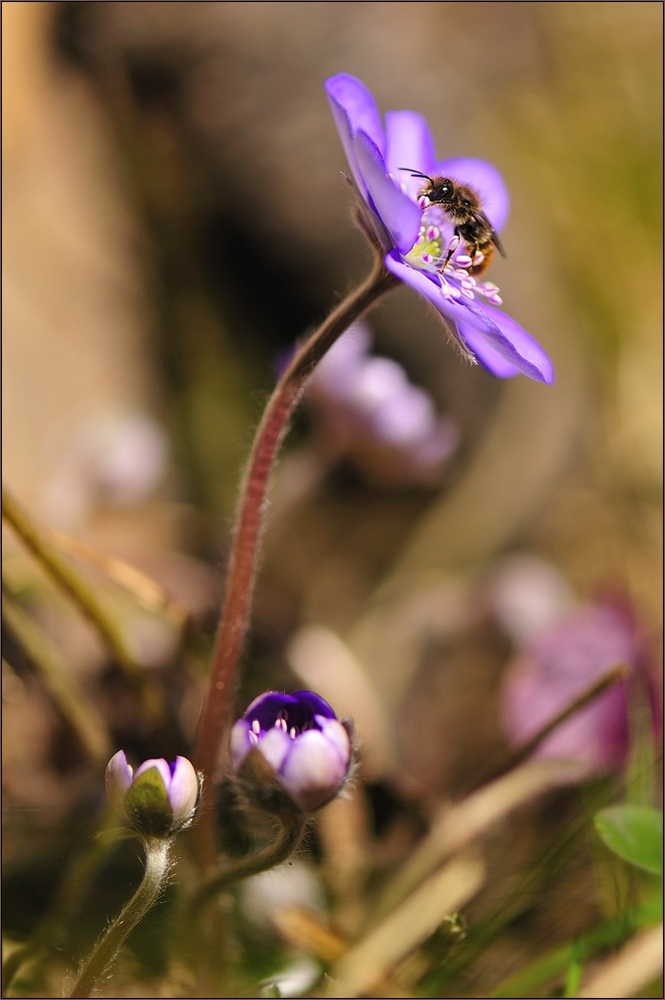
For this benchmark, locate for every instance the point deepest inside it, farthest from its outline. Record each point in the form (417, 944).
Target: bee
(463, 206)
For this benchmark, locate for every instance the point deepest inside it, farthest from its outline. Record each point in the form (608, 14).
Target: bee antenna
(417, 173)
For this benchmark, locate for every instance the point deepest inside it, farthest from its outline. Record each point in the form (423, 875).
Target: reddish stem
(236, 608)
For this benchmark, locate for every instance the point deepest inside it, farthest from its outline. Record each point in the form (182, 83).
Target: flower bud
(291, 748)
(159, 799)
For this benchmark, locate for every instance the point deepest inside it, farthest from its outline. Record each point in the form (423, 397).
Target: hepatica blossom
(418, 236)
(307, 749)
(369, 411)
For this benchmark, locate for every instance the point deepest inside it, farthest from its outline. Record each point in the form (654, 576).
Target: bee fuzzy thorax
(461, 205)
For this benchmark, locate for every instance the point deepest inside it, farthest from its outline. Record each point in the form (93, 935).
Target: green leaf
(635, 833)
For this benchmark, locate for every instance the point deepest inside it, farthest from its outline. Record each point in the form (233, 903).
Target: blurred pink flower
(557, 665)
(368, 410)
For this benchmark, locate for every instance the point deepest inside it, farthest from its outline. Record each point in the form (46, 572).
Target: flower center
(447, 258)
(257, 731)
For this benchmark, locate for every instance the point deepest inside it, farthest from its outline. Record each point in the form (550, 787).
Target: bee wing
(482, 218)
(497, 243)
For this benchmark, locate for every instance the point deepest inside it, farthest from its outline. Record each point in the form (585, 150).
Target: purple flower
(559, 664)
(307, 749)
(369, 411)
(159, 799)
(417, 235)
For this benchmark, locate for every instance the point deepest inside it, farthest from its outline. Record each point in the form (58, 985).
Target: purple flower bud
(159, 799)
(306, 748)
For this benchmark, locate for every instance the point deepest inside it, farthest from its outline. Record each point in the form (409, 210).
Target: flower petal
(428, 285)
(240, 742)
(409, 144)
(486, 181)
(161, 765)
(335, 733)
(500, 332)
(118, 779)
(513, 343)
(379, 381)
(407, 419)
(399, 214)
(184, 790)
(314, 770)
(486, 353)
(308, 706)
(275, 746)
(339, 367)
(267, 708)
(354, 108)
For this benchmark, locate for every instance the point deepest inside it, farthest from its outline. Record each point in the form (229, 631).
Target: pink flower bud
(159, 799)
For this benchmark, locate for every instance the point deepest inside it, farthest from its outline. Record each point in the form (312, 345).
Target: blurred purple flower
(559, 664)
(307, 748)
(416, 235)
(527, 595)
(159, 799)
(369, 410)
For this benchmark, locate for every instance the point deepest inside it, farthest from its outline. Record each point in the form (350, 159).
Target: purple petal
(379, 380)
(314, 770)
(118, 779)
(486, 353)
(240, 742)
(454, 310)
(399, 214)
(405, 420)
(162, 767)
(409, 144)
(354, 108)
(499, 331)
(339, 367)
(310, 706)
(184, 790)
(486, 181)
(275, 746)
(267, 707)
(336, 734)
(296, 709)
(554, 669)
(514, 344)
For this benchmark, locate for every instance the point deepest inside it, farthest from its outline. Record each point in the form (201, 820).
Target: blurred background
(175, 218)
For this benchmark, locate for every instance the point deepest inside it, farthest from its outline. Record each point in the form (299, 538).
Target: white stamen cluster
(429, 253)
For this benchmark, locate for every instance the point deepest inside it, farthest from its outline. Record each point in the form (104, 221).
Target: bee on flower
(412, 206)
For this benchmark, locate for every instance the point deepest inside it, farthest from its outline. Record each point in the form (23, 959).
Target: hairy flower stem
(236, 608)
(151, 887)
(290, 833)
(203, 936)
